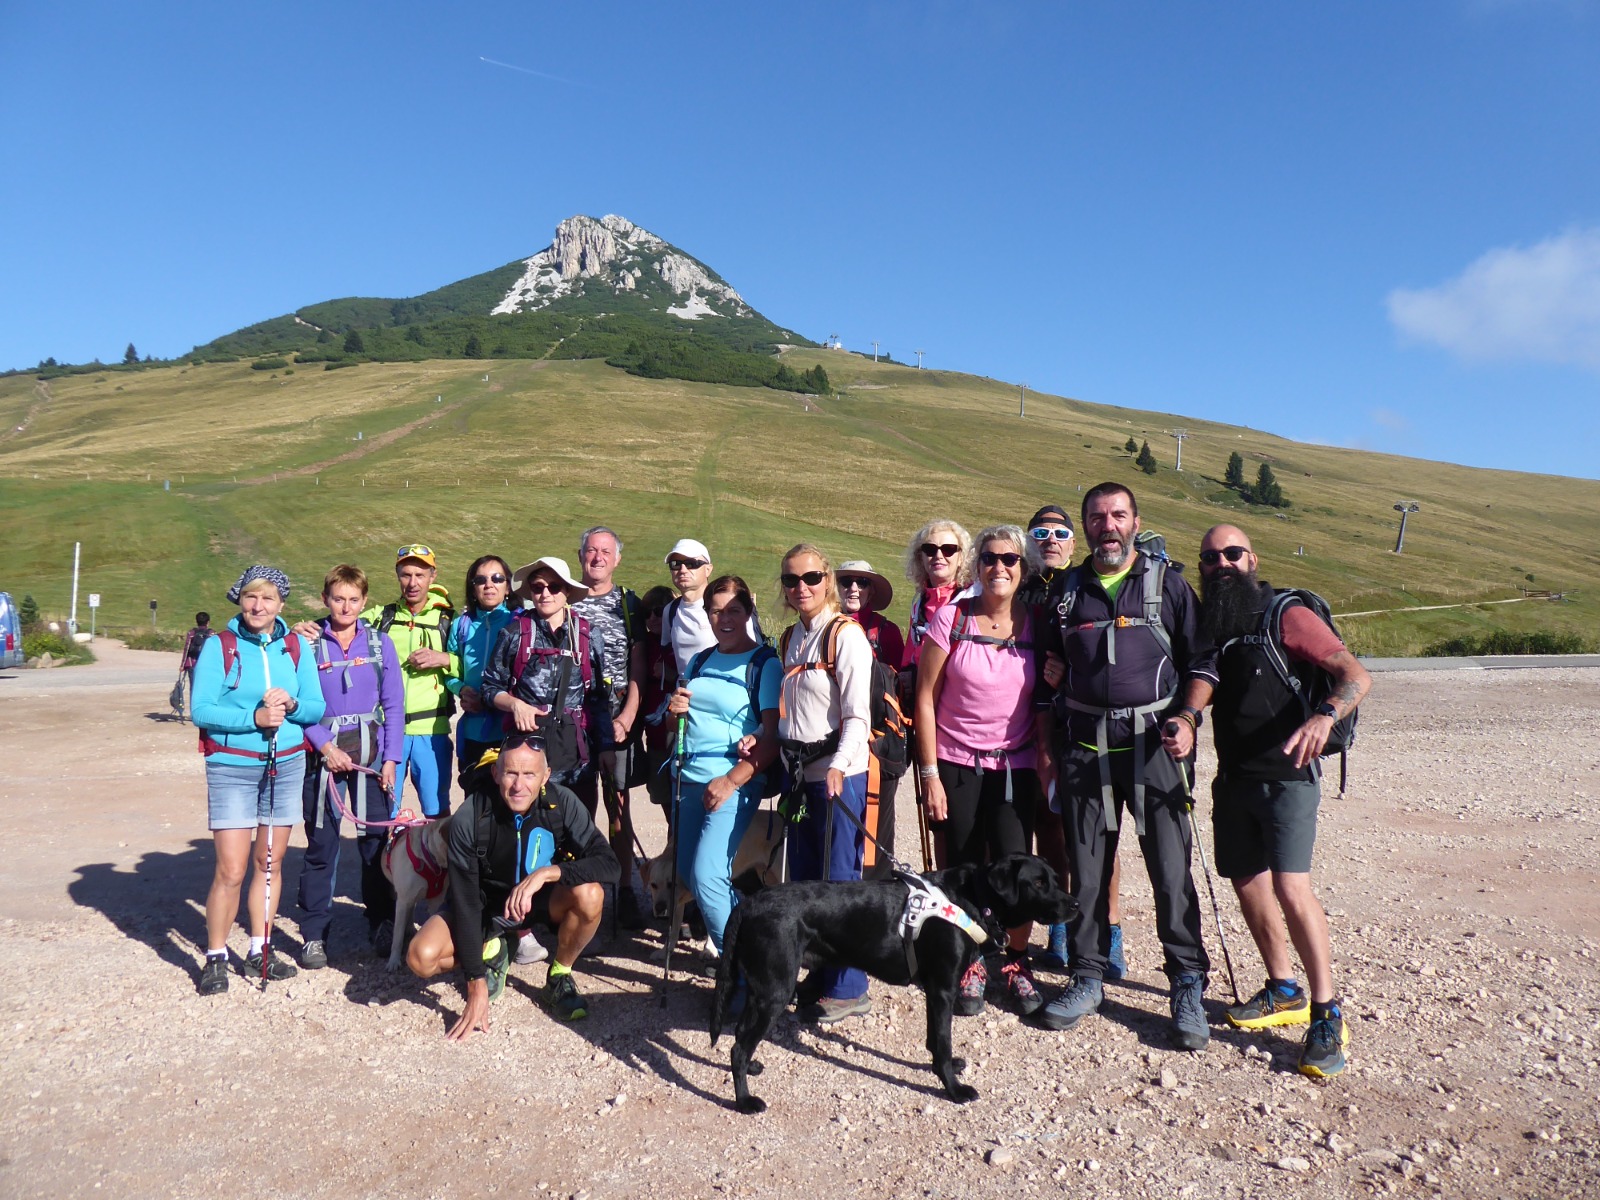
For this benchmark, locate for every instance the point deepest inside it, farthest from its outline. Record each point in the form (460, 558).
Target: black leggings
(981, 825)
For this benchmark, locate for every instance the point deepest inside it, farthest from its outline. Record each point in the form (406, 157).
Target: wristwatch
(1326, 709)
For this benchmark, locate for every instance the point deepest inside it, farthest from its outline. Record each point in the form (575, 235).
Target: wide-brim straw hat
(557, 567)
(882, 590)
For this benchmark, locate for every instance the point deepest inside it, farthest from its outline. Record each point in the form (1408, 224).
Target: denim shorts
(240, 796)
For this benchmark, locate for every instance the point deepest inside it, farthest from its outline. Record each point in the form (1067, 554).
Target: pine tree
(1234, 475)
(1131, 446)
(474, 347)
(29, 612)
(1146, 461)
(353, 343)
(1267, 490)
(130, 355)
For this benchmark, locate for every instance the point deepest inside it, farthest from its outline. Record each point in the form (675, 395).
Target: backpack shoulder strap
(580, 632)
(524, 624)
(386, 616)
(752, 674)
(375, 657)
(783, 642)
(698, 663)
(1271, 639)
(228, 642)
(1155, 578)
(630, 614)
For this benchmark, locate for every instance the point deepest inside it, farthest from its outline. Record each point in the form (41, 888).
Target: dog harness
(925, 902)
(433, 873)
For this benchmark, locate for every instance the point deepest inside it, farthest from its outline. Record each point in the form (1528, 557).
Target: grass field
(268, 465)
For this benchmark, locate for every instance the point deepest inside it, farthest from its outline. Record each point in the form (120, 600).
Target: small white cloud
(1387, 418)
(1538, 303)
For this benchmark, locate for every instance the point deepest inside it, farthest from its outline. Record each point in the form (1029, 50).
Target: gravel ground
(1460, 874)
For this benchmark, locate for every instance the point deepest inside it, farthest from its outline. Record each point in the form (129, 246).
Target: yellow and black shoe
(496, 958)
(1323, 1054)
(562, 998)
(1270, 1007)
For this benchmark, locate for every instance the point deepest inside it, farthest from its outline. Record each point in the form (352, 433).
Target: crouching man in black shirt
(521, 849)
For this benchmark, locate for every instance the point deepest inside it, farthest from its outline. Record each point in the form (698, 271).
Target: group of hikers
(1036, 705)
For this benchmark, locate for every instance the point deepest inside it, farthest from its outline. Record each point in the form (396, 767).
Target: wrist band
(924, 771)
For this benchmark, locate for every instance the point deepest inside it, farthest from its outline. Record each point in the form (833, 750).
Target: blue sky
(1374, 225)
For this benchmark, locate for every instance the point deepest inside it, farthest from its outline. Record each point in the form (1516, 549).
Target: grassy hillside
(268, 465)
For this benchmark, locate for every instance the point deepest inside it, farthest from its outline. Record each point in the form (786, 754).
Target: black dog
(856, 924)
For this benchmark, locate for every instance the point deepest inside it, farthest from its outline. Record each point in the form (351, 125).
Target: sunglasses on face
(1059, 532)
(484, 580)
(810, 579)
(1232, 553)
(990, 557)
(538, 587)
(947, 550)
(846, 582)
(686, 564)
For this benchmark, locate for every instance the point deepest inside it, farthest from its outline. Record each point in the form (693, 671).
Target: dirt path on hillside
(1460, 875)
(41, 389)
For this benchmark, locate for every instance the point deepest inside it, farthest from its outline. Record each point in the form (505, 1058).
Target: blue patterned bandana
(271, 574)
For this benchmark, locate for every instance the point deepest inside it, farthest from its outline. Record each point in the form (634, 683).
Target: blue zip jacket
(224, 709)
(472, 637)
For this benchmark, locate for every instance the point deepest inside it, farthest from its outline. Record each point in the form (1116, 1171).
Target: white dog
(416, 862)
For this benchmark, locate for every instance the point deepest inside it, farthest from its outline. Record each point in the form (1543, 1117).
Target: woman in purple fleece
(361, 683)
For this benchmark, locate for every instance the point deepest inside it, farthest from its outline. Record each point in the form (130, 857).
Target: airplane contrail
(494, 62)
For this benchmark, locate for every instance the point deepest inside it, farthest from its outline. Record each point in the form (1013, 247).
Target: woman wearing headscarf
(975, 734)
(255, 691)
(472, 638)
(823, 727)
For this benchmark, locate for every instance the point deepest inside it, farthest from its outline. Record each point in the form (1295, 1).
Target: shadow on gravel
(166, 718)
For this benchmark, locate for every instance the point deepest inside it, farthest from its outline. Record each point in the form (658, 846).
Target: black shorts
(1264, 825)
(495, 923)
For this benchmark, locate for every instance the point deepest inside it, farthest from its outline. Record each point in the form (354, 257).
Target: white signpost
(94, 603)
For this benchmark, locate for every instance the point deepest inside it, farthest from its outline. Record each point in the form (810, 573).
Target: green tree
(474, 347)
(1267, 490)
(1131, 446)
(353, 343)
(1146, 461)
(130, 355)
(29, 612)
(1234, 475)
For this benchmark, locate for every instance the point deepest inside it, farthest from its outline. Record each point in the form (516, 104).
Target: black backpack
(1309, 682)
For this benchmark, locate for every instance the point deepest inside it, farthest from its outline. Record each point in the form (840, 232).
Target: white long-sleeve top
(817, 702)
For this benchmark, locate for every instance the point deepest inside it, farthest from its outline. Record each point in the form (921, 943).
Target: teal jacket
(224, 709)
(472, 637)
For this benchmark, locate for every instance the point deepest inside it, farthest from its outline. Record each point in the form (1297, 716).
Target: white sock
(256, 944)
(222, 953)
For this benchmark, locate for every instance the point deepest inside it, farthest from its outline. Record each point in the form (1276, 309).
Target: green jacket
(429, 703)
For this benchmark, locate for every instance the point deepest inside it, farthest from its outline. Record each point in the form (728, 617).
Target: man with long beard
(1266, 793)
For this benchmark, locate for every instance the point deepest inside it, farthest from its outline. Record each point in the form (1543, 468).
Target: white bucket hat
(557, 567)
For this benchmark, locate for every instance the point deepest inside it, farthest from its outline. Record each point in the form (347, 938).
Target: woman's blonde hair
(1016, 538)
(916, 565)
(830, 600)
(260, 584)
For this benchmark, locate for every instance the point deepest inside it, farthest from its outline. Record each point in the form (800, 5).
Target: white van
(10, 633)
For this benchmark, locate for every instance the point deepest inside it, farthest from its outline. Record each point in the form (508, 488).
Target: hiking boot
(1323, 1054)
(974, 987)
(496, 958)
(1190, 1030)
(214, 977)
(830, 1010)
(629, 914)
(1017, 982)
(530, 950)
(1054, 955)
(562, 998)
(1072, 1005)
(314, 955)
(1116, 963)
(277, 969)
(1270, 1007)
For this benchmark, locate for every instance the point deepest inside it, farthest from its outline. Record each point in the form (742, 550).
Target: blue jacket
(471, 640)
(224, 709)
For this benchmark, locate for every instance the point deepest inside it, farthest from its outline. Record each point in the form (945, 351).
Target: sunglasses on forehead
(417, 550)
(946, 550)
(810, 579)
(1232, 553)
(1060, 532)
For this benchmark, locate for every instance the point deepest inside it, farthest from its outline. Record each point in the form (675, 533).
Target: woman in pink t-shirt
(974, 730)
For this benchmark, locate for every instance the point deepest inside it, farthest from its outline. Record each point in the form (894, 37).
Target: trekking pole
(266, 895)
(922, 824)
(1216, 912)
(679, 753)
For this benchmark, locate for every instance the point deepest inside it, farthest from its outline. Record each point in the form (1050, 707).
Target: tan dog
(759, 851)
(416, 862)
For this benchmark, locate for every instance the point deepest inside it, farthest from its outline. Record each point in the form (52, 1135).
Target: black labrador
(772, 934)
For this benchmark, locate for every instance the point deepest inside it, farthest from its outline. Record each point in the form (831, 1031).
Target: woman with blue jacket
(472, 637)
(255, 691)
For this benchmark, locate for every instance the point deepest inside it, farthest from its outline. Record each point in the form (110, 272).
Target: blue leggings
(707, 843)
(810, 852)
(427, 759)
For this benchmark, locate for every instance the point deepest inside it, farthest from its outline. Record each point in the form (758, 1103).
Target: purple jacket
(352, 690)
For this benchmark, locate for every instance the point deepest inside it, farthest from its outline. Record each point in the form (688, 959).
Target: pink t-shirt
(985, 696)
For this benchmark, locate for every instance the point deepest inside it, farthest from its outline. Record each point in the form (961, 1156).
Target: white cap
(688, 548)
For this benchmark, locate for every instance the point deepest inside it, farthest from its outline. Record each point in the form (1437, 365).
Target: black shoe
(562, 997)
(277, 968)
(214, 977)
(314, 955)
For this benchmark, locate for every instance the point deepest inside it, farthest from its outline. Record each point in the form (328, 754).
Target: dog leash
(339, 805)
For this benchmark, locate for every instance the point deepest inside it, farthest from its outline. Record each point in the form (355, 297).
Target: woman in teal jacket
(255, 691)
(472, 637)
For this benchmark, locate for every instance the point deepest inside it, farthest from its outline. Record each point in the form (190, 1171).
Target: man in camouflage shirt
(613, 612)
